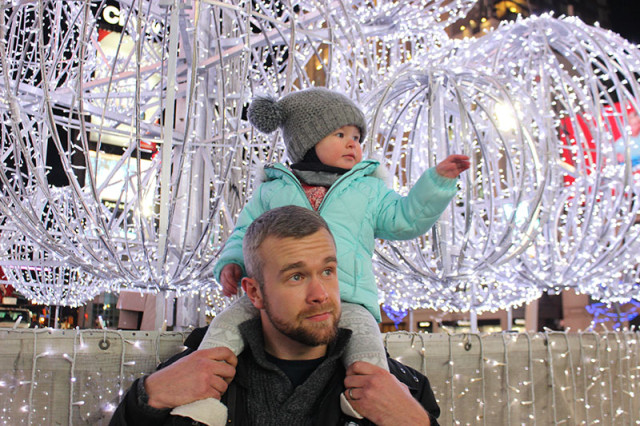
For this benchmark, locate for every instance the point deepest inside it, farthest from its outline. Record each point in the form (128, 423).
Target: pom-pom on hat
(306, 117)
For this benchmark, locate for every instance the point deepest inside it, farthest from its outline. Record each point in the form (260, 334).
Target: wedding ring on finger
(351, 395)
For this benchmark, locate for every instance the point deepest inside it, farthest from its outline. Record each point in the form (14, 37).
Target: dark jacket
(326, 410)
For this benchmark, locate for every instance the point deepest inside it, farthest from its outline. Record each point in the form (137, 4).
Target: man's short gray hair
(281, 222)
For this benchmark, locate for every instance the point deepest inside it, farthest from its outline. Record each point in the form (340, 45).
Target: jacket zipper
(339, 181)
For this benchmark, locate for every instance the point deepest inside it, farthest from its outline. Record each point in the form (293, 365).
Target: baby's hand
(229, 278)
(453, 165)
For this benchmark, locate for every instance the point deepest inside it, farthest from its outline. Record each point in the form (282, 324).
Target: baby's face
(341, 148)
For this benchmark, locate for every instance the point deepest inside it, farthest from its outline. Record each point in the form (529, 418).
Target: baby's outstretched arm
(453, 165)
(229, 278)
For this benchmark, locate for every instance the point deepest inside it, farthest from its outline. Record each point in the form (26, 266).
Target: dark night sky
(621, 16)
(625, 18)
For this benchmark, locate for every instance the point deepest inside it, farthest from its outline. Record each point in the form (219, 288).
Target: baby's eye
(340, 135)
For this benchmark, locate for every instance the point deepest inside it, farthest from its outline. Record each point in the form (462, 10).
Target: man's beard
(311, 334)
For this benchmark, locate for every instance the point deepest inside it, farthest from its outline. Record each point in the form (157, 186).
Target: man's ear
(252, 288)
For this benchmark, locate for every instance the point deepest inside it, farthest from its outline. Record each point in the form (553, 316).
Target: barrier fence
(77, 377)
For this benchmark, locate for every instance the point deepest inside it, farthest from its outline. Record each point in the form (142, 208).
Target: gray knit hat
(306, 117)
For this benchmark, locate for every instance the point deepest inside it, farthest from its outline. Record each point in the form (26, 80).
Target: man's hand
(452, 166)
(202, 374)
(380, 397)
(229, 278)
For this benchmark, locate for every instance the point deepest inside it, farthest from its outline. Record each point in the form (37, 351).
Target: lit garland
(155, 223)
(93, 370)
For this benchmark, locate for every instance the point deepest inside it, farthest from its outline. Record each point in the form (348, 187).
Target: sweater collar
(302, 402)
(251, 332)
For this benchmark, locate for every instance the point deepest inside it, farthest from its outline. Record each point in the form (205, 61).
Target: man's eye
(296, 277)
(328, 272)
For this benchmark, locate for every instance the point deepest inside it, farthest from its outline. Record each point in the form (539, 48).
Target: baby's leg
(366, 341)
(223, 330)
(365, 345)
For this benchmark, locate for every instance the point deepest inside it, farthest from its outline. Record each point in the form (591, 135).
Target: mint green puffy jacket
(359, 208)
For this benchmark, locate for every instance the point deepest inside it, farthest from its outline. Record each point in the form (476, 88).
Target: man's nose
(317, 292)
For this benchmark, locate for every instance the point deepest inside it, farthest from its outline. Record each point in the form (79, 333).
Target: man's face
(300, 298)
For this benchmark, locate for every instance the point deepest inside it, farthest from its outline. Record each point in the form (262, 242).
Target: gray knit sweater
(271, 398)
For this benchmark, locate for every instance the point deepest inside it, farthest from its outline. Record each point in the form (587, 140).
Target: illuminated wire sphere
(420, 117)
(584, 80)
(44, 280)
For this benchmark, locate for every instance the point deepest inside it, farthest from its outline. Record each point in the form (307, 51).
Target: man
(290, 372)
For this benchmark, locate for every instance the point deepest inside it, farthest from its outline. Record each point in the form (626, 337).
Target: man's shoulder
(404, 372)
(191, 342)
(194, 338)
(418, 385)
